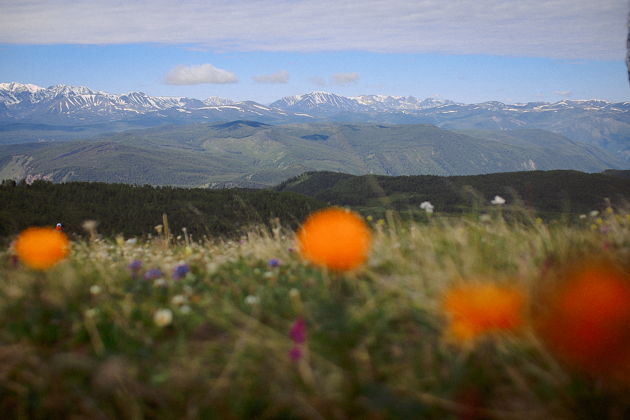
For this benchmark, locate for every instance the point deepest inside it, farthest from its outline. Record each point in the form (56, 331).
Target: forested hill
(136, 210)
(548, 192)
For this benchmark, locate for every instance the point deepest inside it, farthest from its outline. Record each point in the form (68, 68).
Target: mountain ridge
(42, 111)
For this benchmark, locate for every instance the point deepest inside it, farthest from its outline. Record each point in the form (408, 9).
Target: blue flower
(153, 274)
(135, 265)
(180, 271)
(273, 263)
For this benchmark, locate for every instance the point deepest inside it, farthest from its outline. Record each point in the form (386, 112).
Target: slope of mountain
(255, 154)
(550, 192)
(31, 113)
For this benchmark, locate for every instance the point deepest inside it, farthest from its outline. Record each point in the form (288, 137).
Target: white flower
(160, 282)
(427, 206)
(594, 213)
(95, 289)
(178, 300)
(185, 309)
(163, 317)
(498, 200)
(252, 300)
(131, 241)
(582, 216)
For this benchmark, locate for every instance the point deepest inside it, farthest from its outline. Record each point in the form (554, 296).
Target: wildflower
(498, 200)
(298, 331)
(335, 238)
(252, 300)
(131, 241)
(582, 216)
(586, 321)
(180, 271)
(427, 206)
(609, 210)
(185, 309)
(160, 282)
(135, 266)
(295, 353)
(178, 300)
(163, 317)
(369, 218)
(273, 263)
(95, 289)
(476, 309)
(153, 274)
(41, 248)
(594, 213)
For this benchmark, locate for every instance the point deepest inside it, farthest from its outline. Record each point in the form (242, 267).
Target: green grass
(80, 341)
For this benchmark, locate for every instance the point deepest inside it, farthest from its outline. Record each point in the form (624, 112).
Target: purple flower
(295, 353)
(298, 331)
(273, 263)
(135, 266)
(153, 274)
(180, 271)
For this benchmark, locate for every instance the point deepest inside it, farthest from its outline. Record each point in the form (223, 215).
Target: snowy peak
(324, 102)
(15, 87)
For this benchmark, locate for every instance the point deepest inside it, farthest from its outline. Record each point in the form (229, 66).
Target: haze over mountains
(66, 133)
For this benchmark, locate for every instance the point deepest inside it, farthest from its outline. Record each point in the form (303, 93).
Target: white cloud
(199, 74)
(281, 76)
(573, 29)
(565, 93)
(344, 78)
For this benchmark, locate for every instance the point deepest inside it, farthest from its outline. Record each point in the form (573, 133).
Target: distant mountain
(31, 113)
(548, 192)
(256, 154)
(79, 105)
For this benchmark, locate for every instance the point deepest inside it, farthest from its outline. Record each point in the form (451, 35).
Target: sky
(464, 50)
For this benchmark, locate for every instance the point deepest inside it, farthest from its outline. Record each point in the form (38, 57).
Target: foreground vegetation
(245, 328)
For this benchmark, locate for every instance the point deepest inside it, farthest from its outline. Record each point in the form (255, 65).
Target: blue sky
(468, 51)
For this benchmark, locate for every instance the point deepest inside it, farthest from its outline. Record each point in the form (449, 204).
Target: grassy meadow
(170, 328)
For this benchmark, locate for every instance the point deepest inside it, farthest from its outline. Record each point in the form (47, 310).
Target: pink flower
(298, 331)
(295, 353)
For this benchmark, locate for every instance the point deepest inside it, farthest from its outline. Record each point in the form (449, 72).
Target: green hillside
(549, 192)
(136, 210)
(253, 154)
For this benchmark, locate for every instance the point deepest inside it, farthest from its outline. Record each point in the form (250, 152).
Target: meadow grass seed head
(335, 238)
(41, 247)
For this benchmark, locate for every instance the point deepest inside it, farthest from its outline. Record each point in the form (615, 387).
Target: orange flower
(587, 320)
(476, 309)
(335, 238)
(41, 248)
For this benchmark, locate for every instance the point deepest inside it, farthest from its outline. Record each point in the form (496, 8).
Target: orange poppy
(41, 248)
(477, 309)
(335, 238)
(587, 319)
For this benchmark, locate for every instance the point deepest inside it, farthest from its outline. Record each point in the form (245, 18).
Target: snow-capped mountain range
(22, 101)
(598, 122)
